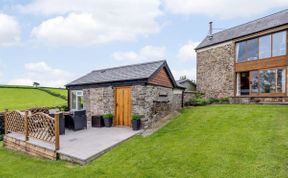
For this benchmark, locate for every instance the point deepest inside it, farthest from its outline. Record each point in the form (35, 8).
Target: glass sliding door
(268, 81)
(254, 82)
(280, 87)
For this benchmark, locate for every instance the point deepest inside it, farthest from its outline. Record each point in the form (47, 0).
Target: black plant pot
(136, 124)
(108, 122)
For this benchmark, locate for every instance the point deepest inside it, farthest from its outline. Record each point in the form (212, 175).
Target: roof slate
(264, 23)
(117, 74)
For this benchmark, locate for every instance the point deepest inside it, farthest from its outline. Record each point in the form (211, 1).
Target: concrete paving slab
(85, 145)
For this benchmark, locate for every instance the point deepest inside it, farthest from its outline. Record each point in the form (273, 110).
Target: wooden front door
(122, 106)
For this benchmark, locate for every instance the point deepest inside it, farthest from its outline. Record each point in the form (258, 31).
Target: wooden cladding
(161, 79)
(262, 64)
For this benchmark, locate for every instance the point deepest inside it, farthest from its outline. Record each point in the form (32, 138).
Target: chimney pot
(210, 30)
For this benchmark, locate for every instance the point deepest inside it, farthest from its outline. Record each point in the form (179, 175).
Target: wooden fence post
(57, 144)
(26, 130)
(5, 122)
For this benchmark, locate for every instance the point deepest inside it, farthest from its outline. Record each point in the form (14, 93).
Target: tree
(36, 84)
(183, 77)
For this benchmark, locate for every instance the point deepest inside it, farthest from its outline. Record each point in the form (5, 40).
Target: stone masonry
(215, 71)
(151, 102)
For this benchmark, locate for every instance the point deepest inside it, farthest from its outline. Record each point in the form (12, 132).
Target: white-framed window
(77, 100)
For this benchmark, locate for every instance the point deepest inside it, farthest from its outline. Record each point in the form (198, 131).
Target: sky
(54, 42)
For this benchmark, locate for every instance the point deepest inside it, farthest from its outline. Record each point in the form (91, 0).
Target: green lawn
(212, 141)
(24, 98)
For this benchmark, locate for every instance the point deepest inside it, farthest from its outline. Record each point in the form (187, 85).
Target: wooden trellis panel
(14, 122)
(41, 126)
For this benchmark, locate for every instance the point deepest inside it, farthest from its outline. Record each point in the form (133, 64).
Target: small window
(265, 47)
(77, 100)
(279, 44)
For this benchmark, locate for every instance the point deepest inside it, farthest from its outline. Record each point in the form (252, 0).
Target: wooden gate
(122, 106)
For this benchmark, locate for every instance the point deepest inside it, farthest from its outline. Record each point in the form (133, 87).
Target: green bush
(1, 137)
(108, 116)
(136, 117)
(218, 100)
(198, 102)
(213, 100)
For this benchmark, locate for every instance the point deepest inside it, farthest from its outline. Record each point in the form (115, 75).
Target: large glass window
(247, 50)
(279, 43)
(77, 100)
(265, 47)
(254, 84)
(260, 48)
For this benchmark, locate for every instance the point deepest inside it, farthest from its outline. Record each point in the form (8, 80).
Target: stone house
(247, 63)
(187, 84)
(147, 89)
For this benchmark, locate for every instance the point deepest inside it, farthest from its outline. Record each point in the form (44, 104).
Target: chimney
(210, 30)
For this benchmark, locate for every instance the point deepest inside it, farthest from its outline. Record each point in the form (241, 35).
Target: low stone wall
(177, 99)
(152, 103)
(188, 95)
(20, 145)
(259, 100)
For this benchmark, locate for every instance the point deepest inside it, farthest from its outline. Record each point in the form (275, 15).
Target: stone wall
(215, 71)
(188, 95)
(98, 101)
(151, 102)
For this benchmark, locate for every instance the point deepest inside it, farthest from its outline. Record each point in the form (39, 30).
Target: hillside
(22, 97)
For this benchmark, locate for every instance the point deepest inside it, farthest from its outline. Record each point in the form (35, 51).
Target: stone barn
(147, 89)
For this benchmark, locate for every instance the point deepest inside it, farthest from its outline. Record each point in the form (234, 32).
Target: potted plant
(136, 120)
(108, 119)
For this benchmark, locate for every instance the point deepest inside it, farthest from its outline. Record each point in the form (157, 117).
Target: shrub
(224, 100)
(198, 102)
(108, 116)
(213, 100)
(136, 117)
(1, 137)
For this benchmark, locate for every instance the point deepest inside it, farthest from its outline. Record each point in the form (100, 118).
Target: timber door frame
(125, 114)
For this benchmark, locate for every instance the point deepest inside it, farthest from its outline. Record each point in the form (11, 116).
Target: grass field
(211, 141)
(13, 98)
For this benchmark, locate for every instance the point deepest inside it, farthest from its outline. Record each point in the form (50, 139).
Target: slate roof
(264, 23)
(141, 71)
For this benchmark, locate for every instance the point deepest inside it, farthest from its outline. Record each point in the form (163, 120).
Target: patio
(81, 146)
(85, 145)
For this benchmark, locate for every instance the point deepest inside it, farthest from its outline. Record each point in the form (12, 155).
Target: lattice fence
(38, 126)
(41, 126)
(15, 122)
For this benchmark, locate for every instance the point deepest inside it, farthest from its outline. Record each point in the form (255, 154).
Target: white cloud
(189, 73)
(187, 52)
(89, 22)
(44, 74)
(9, 30)
(144, 54)
(222, 8)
